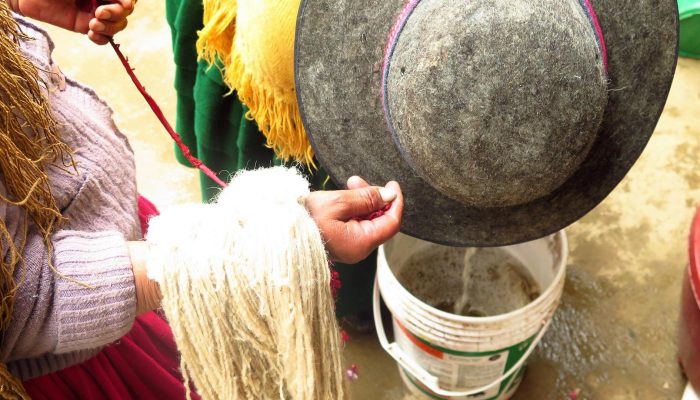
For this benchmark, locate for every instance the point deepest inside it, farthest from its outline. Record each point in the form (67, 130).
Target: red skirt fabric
(147, 210)
(144, 364)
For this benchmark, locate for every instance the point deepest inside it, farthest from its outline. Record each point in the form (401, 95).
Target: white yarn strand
(246, 290)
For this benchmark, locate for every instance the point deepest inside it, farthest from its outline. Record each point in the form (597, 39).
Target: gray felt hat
(503, 120)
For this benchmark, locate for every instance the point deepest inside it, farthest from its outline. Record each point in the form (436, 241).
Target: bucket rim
(544, 296)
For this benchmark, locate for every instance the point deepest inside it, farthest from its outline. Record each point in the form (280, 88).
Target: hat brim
(339, 48)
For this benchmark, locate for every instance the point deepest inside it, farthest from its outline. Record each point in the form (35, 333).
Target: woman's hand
(339, 215)
(108, 20)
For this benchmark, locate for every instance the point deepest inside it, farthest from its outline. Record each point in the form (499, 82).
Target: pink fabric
(144, 364)
(147, 210)
(406, 11)
(598, 31)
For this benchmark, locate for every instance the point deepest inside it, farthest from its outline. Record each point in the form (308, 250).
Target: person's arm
(53, 313)
(108, 20)
(84, 297)
(338, 214)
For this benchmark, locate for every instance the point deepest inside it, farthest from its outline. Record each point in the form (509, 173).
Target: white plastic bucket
(442, 355)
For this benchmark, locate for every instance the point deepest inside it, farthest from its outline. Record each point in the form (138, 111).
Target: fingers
(395, 211)
(355, 182)
(380, 229)
(97, 38)
(341, 216)
(114, 12)
(109, 20)
(349, 240)
(107, 28)
(360, 202)
(101, 33)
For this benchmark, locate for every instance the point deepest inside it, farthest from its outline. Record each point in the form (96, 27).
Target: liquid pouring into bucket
(451, 339)
(463, 301)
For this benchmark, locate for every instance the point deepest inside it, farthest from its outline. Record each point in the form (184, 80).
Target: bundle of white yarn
(245, 285)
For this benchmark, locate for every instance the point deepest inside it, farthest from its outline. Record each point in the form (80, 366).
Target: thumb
(363, 201)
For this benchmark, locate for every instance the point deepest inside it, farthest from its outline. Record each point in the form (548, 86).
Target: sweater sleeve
(87, 302)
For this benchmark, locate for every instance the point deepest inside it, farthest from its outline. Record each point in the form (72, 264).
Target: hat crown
(495, 103)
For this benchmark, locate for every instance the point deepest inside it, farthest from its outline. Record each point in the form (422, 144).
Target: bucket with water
(466, 320)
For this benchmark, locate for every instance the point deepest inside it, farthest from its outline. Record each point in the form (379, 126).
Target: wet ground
(614, 336)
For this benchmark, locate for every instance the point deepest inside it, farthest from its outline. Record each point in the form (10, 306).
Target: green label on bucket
(461, 370)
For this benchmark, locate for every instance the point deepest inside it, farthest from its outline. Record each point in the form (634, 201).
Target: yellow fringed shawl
(254, 40)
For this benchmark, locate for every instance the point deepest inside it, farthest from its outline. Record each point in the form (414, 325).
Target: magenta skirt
(144, 364)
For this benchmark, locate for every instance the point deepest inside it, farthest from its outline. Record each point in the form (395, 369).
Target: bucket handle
(425, 377)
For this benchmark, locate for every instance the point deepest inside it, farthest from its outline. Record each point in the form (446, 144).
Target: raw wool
(245, 284)
(254, 40)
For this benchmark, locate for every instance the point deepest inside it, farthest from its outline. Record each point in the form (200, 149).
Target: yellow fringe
(217, 35)
(277, 114)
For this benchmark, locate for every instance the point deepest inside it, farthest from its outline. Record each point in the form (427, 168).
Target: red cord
(157, 111)
(375, 214)
(335, 278)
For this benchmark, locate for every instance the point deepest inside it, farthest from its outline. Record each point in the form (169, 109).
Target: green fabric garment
(212, 124)
(210, 120)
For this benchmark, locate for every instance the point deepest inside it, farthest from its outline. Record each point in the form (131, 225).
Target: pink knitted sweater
(57, 323)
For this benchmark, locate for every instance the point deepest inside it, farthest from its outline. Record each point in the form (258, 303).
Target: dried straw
(29, 140)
